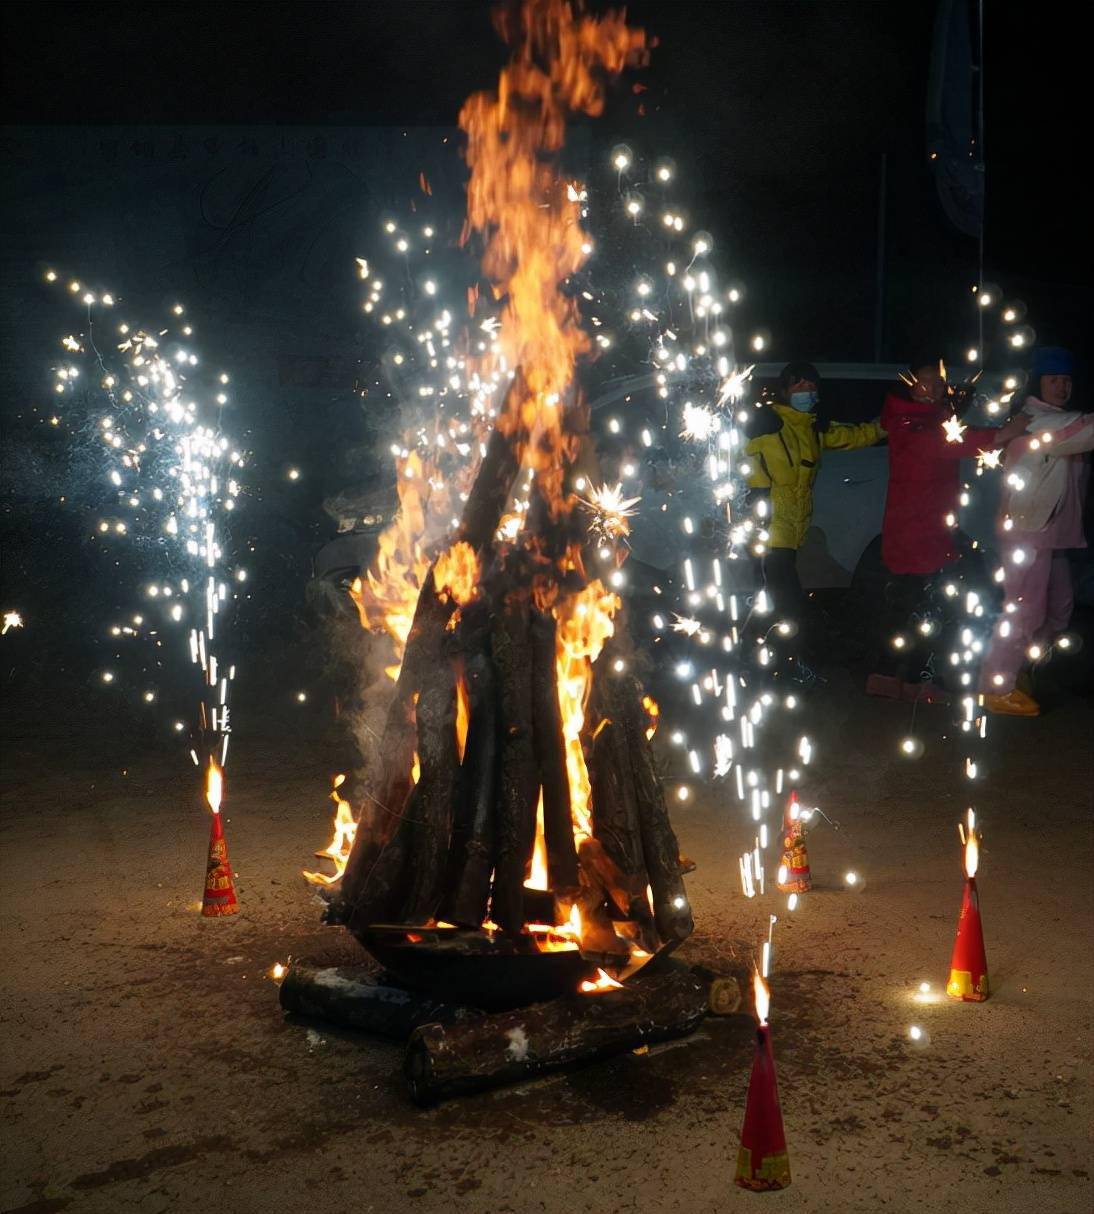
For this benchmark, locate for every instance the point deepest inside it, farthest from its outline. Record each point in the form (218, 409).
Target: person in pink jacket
(1041, 518)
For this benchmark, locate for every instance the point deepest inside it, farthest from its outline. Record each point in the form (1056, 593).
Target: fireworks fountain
(143, 398)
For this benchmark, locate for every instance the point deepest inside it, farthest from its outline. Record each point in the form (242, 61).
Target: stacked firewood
(456, 845)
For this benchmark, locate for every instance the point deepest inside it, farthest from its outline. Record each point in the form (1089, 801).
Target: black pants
(906, 606)
(912, 599)
(788, 599)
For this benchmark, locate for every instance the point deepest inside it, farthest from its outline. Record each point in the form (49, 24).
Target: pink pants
(1041, 589)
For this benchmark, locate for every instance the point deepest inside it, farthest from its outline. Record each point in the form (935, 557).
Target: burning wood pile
(518, 795)
(513, 843)
(517, 807)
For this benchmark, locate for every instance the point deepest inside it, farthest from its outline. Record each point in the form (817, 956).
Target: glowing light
(762, 997)
(953, 429)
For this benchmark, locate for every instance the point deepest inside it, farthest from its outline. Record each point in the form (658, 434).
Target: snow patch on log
(517, 1049)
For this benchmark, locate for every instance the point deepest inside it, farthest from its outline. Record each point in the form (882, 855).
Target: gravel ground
(146, 1065)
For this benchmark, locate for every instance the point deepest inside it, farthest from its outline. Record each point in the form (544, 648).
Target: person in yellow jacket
(784, 454)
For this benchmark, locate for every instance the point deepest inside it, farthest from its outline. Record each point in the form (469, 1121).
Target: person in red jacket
(917, 534)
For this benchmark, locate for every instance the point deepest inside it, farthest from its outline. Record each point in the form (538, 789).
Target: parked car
(843, 545)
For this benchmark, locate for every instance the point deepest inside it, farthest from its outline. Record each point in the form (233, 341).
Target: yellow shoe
(1014, 704)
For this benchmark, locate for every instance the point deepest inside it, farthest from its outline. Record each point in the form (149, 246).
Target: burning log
(469, 1056)
(429, 809)
(517, 790)
(614, 798)
(661, 852)
(352, 998)
(558, 827)
(493, 483)
(406, 877)
(473, 836)
(382, 882)
(382, 817)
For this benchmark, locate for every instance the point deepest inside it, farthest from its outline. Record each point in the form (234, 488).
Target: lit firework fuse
(142, 398)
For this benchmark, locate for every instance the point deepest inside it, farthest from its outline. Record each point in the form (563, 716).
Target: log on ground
(351, 997)
(452, 1060)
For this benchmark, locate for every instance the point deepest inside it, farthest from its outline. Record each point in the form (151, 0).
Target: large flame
(584, 624)
(338, 849)
(529, 216)
(388, 594)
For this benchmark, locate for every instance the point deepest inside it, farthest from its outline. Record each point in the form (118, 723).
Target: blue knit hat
(1051, 360)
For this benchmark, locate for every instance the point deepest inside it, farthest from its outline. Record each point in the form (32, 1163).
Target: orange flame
(388, 594)
(653, 711)
(559, 938)
(463, 715)
(971, 839)
(529, 215)
(762, 995)
(584, 623)
(603, 982)
(537, 877)
(457, 573)
(214, 786)
(338, 849)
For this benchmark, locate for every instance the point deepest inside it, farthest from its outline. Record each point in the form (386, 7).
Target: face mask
(804, 402)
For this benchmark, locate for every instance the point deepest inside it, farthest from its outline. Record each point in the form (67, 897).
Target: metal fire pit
(473, 967)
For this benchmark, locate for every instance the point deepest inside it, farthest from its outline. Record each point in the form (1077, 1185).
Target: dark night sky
(777, 112)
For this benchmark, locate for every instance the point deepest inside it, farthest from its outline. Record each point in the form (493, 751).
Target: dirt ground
(146, 1065)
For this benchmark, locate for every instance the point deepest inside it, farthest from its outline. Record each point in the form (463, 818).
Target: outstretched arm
(843, 437)
(1073, 439)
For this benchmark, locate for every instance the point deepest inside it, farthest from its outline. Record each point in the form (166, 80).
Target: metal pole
(879, 282)
(981, 158)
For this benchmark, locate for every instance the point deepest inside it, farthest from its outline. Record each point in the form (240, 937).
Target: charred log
(473, 841)
(661, 852)
(517, 788)
(352, 998)
(550, 752)
(429, 809)
(383, 883)
(455, 1059)
(383, 811)
(606, 895)
(493, 483)
(616, 825)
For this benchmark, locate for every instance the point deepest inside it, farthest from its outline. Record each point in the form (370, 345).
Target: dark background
(777, 115)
